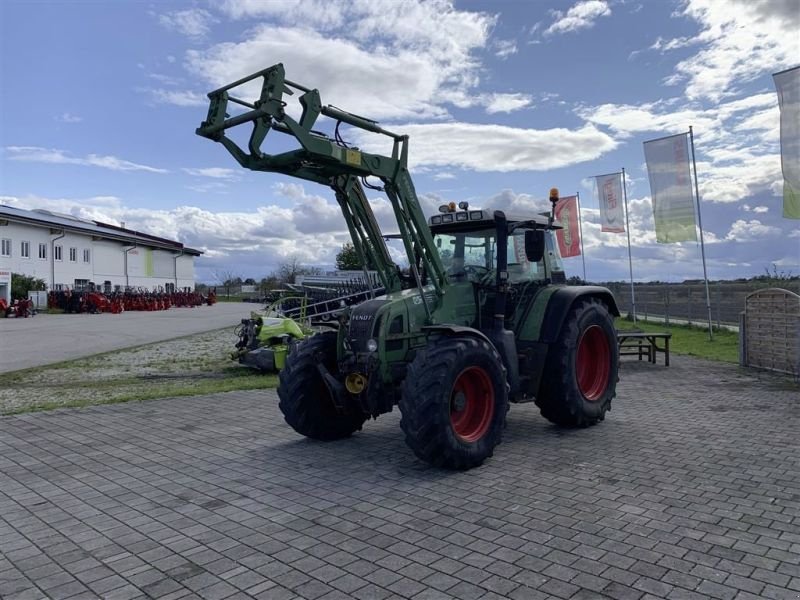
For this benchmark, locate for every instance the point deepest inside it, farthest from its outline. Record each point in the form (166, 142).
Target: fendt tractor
(480, 317)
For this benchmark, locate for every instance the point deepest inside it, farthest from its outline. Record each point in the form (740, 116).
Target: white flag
(787, 83)
(671, 188)
(609, 192)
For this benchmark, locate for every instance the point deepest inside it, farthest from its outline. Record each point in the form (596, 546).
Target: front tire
(582, 368)
(454, 402)
(305, 400)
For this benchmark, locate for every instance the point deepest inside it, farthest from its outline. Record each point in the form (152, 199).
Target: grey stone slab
(674, 491)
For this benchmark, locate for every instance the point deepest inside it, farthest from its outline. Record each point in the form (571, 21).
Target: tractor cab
(467, 244)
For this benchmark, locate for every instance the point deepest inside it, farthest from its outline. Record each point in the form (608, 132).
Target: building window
(25, 249)
(58, 253)
(73, 255)
(87, 255)
(6, 247)
(43, 251)
(81, 284)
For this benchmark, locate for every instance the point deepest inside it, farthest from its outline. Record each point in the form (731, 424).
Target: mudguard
(563, 299)
(544, 317)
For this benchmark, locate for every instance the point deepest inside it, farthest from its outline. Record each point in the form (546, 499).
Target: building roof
(54, 220)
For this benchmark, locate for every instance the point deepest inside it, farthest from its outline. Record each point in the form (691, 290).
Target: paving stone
(676, 496)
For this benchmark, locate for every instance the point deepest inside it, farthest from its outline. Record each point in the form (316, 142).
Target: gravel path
(184, 366)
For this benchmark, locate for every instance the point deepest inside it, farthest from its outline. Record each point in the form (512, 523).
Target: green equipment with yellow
(480, 318)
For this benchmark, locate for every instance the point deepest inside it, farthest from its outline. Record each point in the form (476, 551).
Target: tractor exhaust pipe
(502, 271)
(502, 338)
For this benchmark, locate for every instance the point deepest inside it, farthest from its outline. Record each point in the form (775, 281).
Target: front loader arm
(330, 162)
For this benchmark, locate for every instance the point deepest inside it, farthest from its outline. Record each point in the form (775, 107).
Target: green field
(693, 341)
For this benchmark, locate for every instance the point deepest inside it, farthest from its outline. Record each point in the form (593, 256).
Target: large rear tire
(305, 400)
(582, 368)
(454, 402)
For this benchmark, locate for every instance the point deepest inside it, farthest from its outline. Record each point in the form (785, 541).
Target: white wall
(67, 270)
(16, 263)
(108, 260)
(147, 267)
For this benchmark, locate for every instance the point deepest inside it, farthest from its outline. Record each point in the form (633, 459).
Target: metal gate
(769, 332)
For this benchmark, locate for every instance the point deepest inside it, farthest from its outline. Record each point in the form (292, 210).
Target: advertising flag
(787, 83)
(609, 191)
(569, 239)
(671, 188)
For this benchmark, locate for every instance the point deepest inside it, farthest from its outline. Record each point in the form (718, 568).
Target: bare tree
(228, 279)
(289, 270)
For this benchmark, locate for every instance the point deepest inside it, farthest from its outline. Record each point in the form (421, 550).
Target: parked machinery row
(73, 301)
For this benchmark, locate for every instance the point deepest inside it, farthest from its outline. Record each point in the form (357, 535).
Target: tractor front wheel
(581, 371)
(306, 401)
(454, 402)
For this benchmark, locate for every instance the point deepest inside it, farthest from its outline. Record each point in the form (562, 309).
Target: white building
(68, 253)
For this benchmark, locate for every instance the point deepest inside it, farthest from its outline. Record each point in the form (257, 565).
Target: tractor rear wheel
(305, 400)
(454, 402)
(581, 372)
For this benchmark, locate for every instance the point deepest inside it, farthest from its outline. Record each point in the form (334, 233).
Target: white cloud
(736, 140)
(504, 48)
(666, 45)
(55, 156)
(580, 16)
(381, 58)
(213, 172)
(179, 97)
(749, 231)
(193, 22)
(506, 103)
(68, 118)
(497, 147)
(739, 39)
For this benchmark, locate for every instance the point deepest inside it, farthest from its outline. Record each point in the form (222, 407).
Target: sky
(502, 100)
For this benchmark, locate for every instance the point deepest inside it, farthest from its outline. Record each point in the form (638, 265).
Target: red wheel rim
(593, 363)
(472, 404)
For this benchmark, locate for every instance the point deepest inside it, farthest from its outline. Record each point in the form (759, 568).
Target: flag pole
(702, 245)
(580, 230)
(628, 230)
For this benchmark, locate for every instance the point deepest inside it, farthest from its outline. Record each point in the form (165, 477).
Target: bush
(22, 284)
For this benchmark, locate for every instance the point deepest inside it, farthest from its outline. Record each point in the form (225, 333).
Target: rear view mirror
(534, 245)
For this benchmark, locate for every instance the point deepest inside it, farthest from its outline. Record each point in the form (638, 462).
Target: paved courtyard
(689, 489)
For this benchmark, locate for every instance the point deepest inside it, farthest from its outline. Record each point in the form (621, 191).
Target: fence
(686, 302)
(770, 331)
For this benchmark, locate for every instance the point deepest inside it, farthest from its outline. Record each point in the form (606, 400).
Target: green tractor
(480, 318)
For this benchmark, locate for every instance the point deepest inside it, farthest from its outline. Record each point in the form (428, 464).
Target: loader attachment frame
(327, 161)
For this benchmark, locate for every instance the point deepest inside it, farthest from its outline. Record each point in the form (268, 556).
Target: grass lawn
(692, 340)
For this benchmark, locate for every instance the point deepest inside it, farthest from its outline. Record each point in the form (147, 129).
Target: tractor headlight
(372, 345)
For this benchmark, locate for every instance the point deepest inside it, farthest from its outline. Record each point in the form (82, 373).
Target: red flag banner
(569, 239)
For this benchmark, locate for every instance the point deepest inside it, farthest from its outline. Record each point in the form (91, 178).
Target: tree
(347, 259)
(227, 279)
(249, 281)
(22, 284)
(268, 283)
(288, 271)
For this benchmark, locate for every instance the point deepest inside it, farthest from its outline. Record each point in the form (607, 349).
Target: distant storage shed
(70, 253)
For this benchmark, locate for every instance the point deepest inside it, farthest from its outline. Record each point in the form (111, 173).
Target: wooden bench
(643, 343)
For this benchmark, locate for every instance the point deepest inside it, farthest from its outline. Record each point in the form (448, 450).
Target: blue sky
(503, 100)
